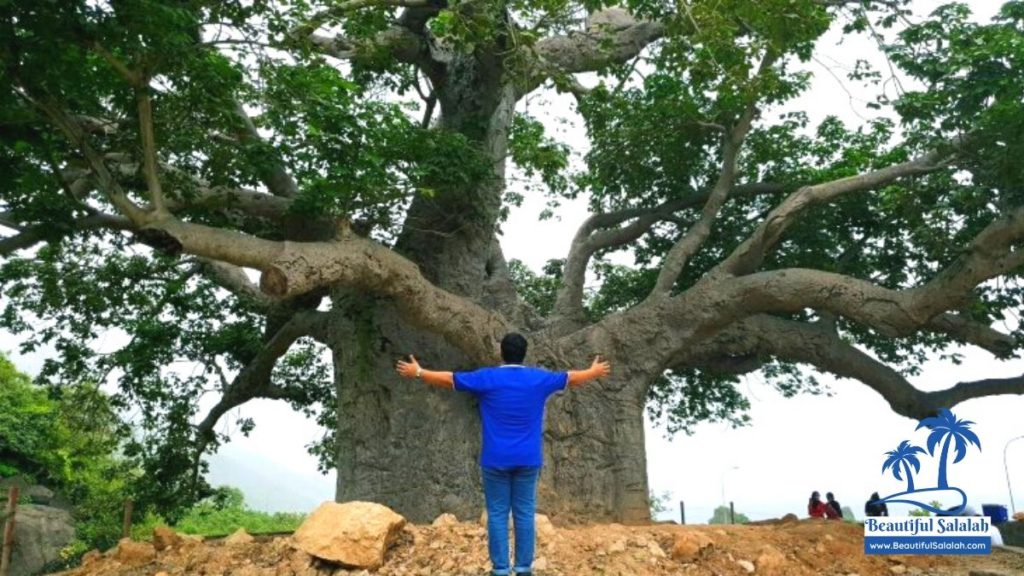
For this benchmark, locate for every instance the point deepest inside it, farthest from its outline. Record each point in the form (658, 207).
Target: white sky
(793, 446)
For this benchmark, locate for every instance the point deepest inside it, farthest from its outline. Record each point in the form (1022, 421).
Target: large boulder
(354, 534)
(39, 534)
(34, 493)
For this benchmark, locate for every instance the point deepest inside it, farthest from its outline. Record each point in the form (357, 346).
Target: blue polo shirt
(511, 399)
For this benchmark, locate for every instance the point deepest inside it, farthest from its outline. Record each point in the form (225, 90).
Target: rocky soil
(448, 547)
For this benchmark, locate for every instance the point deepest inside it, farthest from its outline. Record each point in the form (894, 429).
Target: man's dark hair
(513, 348)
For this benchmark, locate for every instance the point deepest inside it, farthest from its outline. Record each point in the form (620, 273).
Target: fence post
(8, 542)
(732, 513)
(682, 512)
(126, 522)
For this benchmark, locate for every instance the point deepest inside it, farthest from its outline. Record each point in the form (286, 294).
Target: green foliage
(222, 513)
(29, 432)
(721, 516)
(681, 399)
(539, 290)
(921, 512)
(538, 154)
(69, 439)
(354, 139)
(659, 503)
(848, 514)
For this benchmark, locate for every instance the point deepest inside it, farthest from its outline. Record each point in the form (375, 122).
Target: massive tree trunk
(595, 466)
(417, 449)
(400, 443)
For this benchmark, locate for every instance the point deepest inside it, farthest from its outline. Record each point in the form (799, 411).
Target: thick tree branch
(825, 350)
(293, 268)
(967, 331)
(749, 255)
(612, 36)
(273, 173)
(600, 232)
(995, 251)
(149, 161)
(234, 280)
(694, 238)
(659, 329)
(254, 381)
(30, 236)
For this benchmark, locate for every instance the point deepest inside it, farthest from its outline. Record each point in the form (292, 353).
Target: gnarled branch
(967, 331)
(254, 381)
(993, 252)
(612, 36)
(750, 254)
(602, 231)
(825, 350)
(30, 236)
(273, 174)
(694, 238)
(234, 280)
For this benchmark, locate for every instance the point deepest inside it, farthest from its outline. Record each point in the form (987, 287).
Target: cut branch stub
(274, 282)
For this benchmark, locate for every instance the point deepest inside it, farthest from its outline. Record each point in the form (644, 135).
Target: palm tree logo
(955, 432)
(905, 455)
(948, 430)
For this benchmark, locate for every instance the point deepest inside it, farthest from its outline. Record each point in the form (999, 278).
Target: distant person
(873, 507)
(833, 511)
(815, 507)
(511, 399)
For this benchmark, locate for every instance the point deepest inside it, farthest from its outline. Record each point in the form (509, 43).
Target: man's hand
(598, 369)
(408, 369)
(411, 369)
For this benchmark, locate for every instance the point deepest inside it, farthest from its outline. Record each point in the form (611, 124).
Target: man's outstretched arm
(437, 379)
(599, 369)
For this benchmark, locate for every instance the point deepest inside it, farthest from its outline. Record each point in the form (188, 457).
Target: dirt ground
(797, 548)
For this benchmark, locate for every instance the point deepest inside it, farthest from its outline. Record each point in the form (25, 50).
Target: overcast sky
(793, 446)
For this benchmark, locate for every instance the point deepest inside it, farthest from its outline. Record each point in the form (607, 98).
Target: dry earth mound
(449, 547)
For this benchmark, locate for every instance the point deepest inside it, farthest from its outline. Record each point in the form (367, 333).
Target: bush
(222, 514)
(67, 438)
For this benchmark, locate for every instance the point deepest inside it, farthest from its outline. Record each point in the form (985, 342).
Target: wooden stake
(8, 542)
(126, 523)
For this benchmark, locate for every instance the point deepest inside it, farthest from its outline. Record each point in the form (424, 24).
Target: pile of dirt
(790, 548)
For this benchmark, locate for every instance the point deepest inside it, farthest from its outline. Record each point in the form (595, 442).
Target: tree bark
(416, 449)
(595, 464)
(399, 442)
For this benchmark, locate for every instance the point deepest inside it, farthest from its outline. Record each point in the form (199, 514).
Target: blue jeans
(515, 489)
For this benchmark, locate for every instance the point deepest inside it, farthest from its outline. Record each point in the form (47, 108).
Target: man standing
(511, 399)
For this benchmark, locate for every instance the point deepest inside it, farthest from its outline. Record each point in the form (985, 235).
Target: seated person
(875, 508)
(815, 507)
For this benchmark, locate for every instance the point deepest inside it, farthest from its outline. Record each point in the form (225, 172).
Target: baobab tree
(354, 154)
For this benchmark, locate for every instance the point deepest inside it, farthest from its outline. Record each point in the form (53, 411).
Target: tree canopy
(156, 149)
